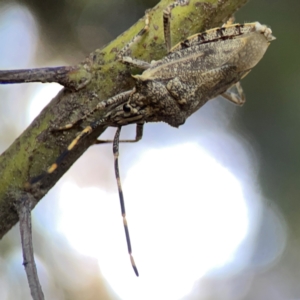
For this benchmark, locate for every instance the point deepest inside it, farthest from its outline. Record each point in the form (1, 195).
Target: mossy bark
(37, 148)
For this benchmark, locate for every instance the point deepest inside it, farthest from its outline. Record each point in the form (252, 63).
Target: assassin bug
(196, 70)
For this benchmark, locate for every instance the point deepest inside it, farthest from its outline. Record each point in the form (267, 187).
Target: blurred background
(213, 207)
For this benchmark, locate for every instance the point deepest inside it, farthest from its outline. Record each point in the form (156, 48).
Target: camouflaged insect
(196, 70)
(202, 67)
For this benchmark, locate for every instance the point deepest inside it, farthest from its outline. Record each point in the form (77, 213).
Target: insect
(169, 90)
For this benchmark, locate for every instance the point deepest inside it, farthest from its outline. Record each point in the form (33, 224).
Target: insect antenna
(121, 197)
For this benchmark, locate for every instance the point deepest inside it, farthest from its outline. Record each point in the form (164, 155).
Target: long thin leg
(83, 133)
(167, 21)
(123, 52)
(122, 204)
(138, 136)
(237, 98)
(23, 206)
(167, 35)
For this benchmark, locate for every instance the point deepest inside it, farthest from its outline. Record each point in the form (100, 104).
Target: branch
(97, 78)
(23, 208)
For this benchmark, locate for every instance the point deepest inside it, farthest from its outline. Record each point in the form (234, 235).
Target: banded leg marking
(121, 197)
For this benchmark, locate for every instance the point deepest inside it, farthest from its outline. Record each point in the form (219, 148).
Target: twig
(24, 212)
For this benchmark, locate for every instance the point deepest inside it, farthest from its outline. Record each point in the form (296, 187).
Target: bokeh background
(213, 207)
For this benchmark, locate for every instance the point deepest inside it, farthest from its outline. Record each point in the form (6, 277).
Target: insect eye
(127, 108)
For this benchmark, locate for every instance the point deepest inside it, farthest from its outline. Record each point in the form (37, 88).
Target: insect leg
(132, 61)
(167, 20)
(237, 97)
(138, 136)
(122, 204)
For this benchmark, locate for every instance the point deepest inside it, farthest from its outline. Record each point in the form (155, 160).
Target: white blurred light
(43, 94)
(18, 33)
(186, 215)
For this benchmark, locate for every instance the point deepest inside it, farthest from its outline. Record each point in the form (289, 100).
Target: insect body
(170, 90)
(202, 67)
(199, 69)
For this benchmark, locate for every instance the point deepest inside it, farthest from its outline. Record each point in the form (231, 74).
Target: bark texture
(37, 148)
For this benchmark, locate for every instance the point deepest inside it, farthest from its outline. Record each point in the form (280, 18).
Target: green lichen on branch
(98, 77)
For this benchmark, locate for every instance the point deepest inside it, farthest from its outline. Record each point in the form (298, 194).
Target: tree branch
(23, 208)
(97, 78)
